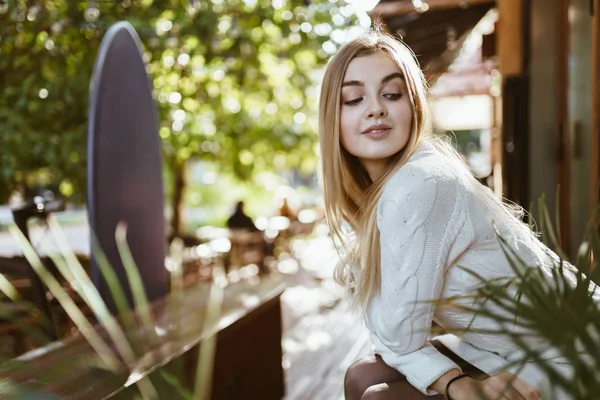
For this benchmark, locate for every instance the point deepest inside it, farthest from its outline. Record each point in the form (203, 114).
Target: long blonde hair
(351, 196)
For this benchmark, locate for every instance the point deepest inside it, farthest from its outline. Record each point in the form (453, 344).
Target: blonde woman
(407, 212)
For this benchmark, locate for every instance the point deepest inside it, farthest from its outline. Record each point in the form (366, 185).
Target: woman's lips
(378, 133)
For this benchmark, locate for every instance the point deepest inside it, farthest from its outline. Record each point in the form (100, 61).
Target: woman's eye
(393, 96)
(353, 102)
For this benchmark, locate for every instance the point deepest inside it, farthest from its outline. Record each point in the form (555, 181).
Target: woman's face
(376, 115)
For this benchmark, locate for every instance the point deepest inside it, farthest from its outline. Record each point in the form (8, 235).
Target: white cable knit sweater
(431, 219)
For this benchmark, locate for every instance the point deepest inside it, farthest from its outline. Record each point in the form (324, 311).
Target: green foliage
(562, 309)
(233, 81)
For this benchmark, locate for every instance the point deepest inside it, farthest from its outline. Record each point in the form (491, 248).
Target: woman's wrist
(459, 388)
(439, 385)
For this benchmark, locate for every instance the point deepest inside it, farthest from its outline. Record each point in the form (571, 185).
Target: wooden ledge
(66, 368)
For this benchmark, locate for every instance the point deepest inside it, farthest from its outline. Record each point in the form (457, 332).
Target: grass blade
(84, 286)
(557, 217)
(8, 289)
(206, 356)
(135, 282)
(86, 329)
(176, 272)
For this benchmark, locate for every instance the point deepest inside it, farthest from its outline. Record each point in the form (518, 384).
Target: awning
(435, 31)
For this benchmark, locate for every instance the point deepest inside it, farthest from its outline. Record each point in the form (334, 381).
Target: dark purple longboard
(124, 163)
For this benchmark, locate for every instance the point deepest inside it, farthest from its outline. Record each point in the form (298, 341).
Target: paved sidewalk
(321, 339)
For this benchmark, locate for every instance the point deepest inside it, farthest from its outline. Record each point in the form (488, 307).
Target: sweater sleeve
(418, 219)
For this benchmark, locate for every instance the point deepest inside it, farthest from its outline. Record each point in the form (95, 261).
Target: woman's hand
(504, 386)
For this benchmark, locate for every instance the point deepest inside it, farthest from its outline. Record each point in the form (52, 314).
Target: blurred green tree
(234, 83)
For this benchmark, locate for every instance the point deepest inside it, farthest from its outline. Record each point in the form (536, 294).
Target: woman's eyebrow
(392, 76)
(353, 83)
(384, 80)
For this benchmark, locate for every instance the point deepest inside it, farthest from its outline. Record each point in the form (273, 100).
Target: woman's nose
(376, 110)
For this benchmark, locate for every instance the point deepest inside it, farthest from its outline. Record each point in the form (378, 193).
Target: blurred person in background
(239, 219)
(286, 211)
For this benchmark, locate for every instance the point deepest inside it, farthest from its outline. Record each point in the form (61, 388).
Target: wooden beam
(510, 37)
(562, 134)
(393, 9)
(510, 54)
(595, 147)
